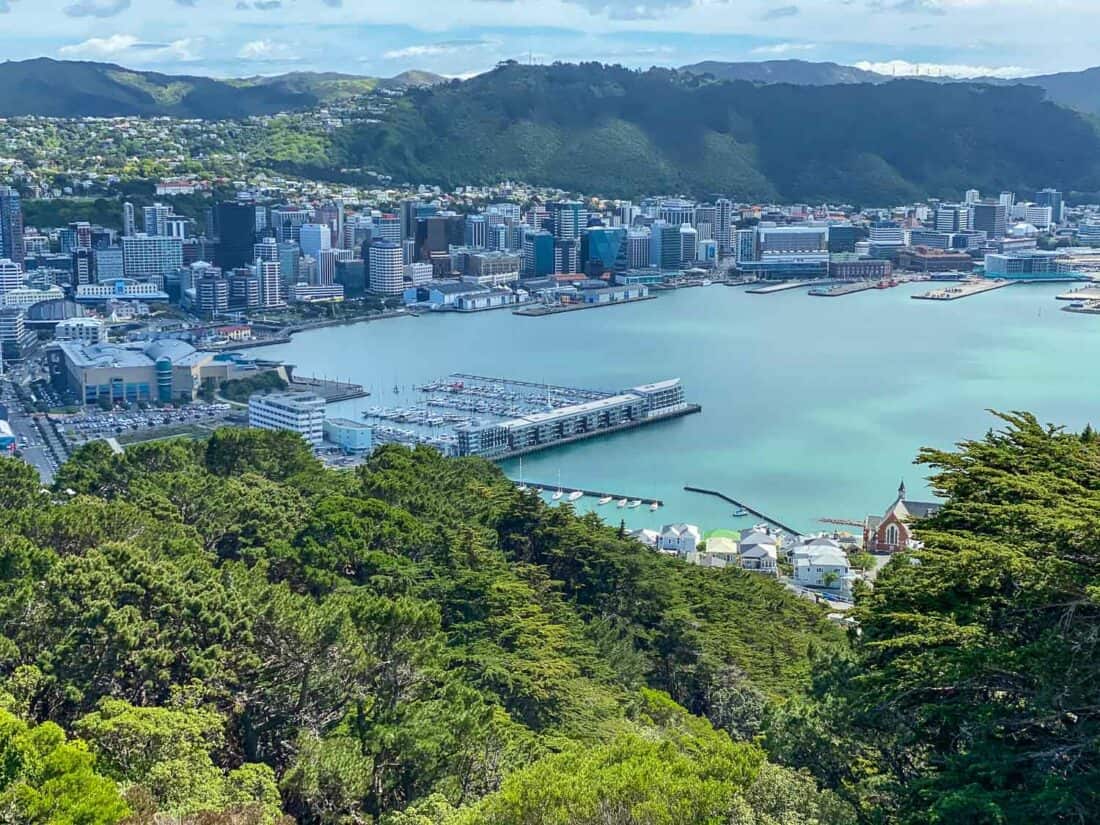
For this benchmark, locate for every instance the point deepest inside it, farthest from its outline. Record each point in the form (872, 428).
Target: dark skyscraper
(11, 225)
(236, 224)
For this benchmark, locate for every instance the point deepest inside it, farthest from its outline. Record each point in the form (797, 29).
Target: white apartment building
(298, 412)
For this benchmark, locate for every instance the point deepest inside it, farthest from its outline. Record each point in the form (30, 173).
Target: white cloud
(267, 51)
(126, 45)
(785, 48)
(435, 49)
(903, 68)
(111, 46)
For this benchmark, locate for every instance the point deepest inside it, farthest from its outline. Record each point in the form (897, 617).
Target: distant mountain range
(63, 88)
(1079, 90)
(789, 130)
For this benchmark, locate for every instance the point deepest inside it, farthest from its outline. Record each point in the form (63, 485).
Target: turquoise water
(811, 406)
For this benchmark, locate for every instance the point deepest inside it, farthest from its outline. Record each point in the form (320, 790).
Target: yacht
(654, 507)
(621, 503)
(634, 504)
(740, 512)
(522, 483)
(558, 495)
(576, 494)
(605, 500)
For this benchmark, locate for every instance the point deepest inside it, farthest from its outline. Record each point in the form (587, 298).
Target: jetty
(782, 286)
(844, 289)
(541, 310)
(553, 488)
(1085, 293)
(747, 508)
(331, 391)
(974, 286)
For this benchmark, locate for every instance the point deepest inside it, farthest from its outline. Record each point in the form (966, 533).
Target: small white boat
(605, 500)
(558, 496)
(634, 504)
(576, 494)
(654, 507)
(522, 488)
(621, 503)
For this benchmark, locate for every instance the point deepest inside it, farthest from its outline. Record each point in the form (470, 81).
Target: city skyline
(469, 36)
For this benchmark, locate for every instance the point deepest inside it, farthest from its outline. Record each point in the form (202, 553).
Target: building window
(892, 535)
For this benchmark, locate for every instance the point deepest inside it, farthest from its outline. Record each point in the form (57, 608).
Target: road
(32, 445)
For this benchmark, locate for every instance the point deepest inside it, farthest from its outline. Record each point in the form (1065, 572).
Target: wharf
(963, 290)
(1085, 307)
(1085, 293)
(762, 516)
(780, 287)
(843, 289)
(679, 412)
(542, 310)
(331, 391)
(551, 488)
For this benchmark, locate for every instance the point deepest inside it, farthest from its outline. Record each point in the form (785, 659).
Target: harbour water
(811, 408)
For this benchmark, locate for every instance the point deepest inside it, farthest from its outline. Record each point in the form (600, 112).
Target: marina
(604, 499)
(498, 418)
(974, 286)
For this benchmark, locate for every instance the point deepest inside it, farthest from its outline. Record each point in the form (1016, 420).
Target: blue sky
(462, 37)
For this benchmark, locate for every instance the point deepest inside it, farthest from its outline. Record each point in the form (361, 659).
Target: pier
(844, 289)
(783, 286)
(1085, 293)
(762, 516)
(331, 391)
(963, 290)
(553, 488)
(542, 310)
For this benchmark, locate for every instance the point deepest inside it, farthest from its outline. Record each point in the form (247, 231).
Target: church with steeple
(891, 532)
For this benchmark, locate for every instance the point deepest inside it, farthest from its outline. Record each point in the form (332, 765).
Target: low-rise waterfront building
(350, 436)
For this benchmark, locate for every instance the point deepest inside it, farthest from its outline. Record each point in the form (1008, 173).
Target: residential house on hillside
(680, 538)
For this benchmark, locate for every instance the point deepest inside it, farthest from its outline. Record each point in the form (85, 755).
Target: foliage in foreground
(228, 634)
(973, 694)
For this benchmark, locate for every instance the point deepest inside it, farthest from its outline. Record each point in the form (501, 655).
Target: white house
(680, 538)
(820, 567)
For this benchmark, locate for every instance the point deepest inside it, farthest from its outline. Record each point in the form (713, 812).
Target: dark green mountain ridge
(607, 129)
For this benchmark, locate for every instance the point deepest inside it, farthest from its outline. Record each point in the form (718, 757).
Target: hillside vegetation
(606, 129)
(224, 633)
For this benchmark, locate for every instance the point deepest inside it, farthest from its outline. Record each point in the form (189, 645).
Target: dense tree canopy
(225, 633)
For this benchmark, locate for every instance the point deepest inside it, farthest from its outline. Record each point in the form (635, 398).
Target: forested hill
(224, 633)
(225, 629)
(595, 128)
(68, 88)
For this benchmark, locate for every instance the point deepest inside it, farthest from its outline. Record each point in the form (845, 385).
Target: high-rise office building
(538, 254)
(11, 225)
(128, 226)
(842, 238)
(386, 268)
(665, 250)
(266, 250)
(145, 256)
(212, 294)
(972, 196)
(568, 219)
(271, 287)
(314, 237)
(82, 266)
(677, 211)
(11, 275)
(1053, 199)
(287, 222)
(477, 231)
(236, 224)
(289, 256)
(153, 218)
(723, 225)
(952, 217)
(989, 217)
(388, 228)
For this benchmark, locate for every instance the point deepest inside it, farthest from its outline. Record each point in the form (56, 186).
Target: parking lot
(93, 424)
